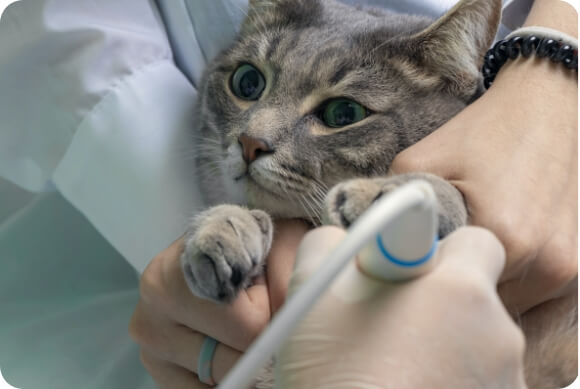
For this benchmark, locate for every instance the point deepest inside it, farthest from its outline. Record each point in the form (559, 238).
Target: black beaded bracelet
(556, 50)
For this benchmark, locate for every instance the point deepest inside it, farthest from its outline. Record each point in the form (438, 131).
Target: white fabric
(66, 297)
(515, 12)
(189, 20)
(81, 59)
(59, 58)
(95, 155)
(186, 20)
(128, 167)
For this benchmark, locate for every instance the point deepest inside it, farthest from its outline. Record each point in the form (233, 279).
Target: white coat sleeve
(515, 12)
(92, 105)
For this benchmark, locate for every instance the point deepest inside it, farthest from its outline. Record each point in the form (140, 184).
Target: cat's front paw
(350, 199)
(224, 250)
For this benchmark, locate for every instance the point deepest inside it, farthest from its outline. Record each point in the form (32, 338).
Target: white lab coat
(95, 172)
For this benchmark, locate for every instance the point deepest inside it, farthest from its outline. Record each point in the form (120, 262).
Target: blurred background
(4, 4)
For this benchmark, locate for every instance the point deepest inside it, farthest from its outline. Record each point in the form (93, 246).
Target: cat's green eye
(342, 112)
(247, 83)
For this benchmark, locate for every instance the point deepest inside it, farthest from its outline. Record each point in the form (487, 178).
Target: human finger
(472, 251)
(169, 376)
(280, 262)
(313, 250)
(186, 351)
(236, 324)
(177, 344)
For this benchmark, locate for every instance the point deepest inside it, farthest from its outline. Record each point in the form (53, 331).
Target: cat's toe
(225, 252)
(213, 279)
(348, 200)
(335, 203)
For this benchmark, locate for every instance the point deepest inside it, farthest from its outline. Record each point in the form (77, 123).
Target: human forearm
(539, 80)
(556, 14)
(525, 127)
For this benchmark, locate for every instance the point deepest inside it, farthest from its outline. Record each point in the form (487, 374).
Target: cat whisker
(320, 191)
(318, 201)
(292, 196)
(207, 155)
(240, 8)
(291, 177)
(207, 150)
(310, 211)
(208, 146)
(213, 165)
(206, 139)
(303, 206)
(315, 204)
(281, 179)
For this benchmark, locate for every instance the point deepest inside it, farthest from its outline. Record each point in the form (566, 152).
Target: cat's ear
(455, 44)
(264, 14)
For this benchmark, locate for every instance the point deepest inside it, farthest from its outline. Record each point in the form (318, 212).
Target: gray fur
(412, 73)
(225, 250)
(398, 66)
(348, 200)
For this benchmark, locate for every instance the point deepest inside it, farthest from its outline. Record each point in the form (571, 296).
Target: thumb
(472, 252)
(313, 249)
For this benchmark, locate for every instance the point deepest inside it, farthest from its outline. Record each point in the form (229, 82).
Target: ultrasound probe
(395, 240)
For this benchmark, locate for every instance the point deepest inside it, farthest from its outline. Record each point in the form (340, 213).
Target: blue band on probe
(405, 263)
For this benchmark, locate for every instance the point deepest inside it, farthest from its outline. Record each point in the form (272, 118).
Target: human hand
(170, 323)
(447, 329)
(513, 154)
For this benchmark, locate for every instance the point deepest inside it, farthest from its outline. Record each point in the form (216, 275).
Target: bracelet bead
(499, 52)
(553, 50)
(547, 48)
(529, 45)
(571, 62)
(503, 50)
(492, 62)
(513, 47)
(564, 52)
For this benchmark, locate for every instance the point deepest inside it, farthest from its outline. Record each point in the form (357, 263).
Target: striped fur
(413, 73)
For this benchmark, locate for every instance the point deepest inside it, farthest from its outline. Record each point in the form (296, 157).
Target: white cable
(372, 222)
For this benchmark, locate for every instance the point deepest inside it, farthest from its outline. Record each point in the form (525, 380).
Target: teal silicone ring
(204, 361)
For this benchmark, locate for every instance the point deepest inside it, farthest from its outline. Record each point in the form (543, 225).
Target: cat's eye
(247, 82)
(342, 112)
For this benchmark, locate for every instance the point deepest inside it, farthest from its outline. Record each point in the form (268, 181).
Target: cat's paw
(224, 250)
(350, 199)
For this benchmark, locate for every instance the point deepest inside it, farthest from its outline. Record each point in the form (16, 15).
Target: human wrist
(538, 74)
(536, 89)
(555, 14)
(528, 80)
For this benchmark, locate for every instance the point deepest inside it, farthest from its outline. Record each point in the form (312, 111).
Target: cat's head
(314, 92)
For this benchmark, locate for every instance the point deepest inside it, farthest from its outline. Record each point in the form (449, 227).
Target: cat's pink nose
(252, 147)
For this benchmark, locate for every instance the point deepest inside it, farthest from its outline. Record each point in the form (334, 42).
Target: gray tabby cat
(313, 95)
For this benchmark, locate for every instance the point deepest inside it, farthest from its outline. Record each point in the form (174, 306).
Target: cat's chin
(277, 205)
(281, 210)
